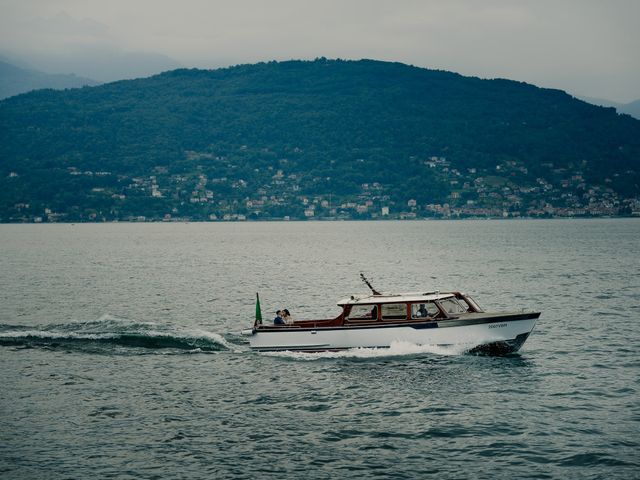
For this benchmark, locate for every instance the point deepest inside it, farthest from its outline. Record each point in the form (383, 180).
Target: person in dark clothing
(278, 320)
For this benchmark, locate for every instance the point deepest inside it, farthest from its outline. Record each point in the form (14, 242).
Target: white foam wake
(132, 334)
(396, 349)
(47, 335)
(212, 337)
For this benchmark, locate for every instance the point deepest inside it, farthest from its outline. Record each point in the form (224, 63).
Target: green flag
(258, 311)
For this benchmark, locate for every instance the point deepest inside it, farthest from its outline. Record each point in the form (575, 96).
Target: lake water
(120, 353)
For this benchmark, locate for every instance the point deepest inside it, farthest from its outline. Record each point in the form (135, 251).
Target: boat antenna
(364, 279)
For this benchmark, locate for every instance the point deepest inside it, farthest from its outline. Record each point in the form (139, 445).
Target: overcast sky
(587, 47)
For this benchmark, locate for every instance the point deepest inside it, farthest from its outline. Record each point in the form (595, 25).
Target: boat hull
(498, 335)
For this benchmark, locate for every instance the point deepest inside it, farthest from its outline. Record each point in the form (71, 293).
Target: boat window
(363, 312)
(422, 310)
(451, 305)
(394, 311)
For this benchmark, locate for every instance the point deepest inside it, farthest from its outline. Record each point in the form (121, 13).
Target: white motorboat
(442, 319)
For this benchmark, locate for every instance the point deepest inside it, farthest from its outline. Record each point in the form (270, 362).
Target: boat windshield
(451, 305)
(473, 305)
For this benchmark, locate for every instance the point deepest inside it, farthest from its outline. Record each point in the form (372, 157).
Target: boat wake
(109, 334)
(396, 349)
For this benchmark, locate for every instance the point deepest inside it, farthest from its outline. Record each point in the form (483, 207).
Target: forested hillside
(313, 139)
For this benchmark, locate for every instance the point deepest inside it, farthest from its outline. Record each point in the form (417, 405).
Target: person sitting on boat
(286, 316)
(278, 320)
(422, 311)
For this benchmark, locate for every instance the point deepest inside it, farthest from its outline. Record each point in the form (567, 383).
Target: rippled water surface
(120, 353)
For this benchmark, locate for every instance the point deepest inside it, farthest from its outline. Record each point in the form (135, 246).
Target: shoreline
(319, 220)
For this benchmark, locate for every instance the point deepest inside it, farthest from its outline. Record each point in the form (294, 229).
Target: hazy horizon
(587, 48)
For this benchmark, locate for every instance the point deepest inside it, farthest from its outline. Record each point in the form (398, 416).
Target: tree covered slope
(282, 133)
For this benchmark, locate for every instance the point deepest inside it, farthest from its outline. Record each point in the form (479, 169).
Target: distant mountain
(309, 139)
(104, 64)
(632, 108)
(15, 80)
